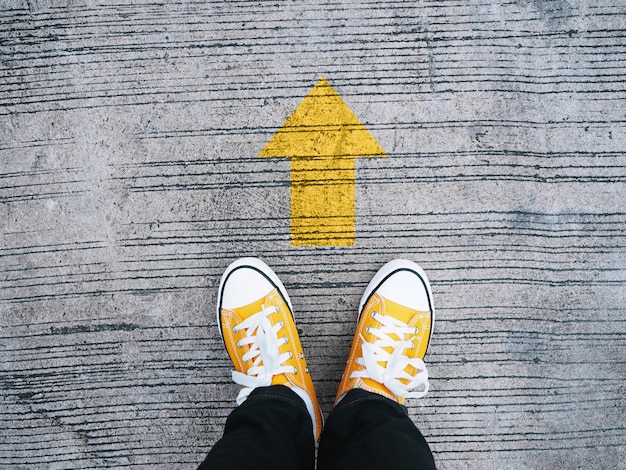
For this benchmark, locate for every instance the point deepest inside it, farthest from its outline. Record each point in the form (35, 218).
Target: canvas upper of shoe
(261, 336)
(392, 336)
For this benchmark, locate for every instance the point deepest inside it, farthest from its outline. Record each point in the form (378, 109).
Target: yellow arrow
(323, 138)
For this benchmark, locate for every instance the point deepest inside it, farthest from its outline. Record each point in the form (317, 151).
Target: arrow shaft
(322, 201)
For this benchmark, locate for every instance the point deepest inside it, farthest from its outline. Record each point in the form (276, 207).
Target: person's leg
(368, 427)
(278, 418)
(272, 429)
(367, 430)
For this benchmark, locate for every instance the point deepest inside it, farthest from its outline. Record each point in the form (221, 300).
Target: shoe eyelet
(235, 329)
(282, 325)
(295, 371)
(306, 370)
(239, 345)
(301, 355)
(290, 354)
(374, 313)
(285, 340)
(367, 330)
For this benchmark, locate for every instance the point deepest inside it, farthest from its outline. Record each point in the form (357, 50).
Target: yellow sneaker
(255, 318)
(396, 317)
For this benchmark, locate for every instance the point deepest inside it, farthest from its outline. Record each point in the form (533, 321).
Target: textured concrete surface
(129, 179)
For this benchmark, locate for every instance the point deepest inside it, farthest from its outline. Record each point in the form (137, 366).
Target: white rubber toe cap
(244, 285)
(403, 282)
(245, 281)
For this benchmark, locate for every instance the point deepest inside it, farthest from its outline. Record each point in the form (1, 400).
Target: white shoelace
(264, 343)
(396, 362)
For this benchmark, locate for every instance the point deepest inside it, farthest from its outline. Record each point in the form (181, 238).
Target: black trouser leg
(270, 430)
(368, 431)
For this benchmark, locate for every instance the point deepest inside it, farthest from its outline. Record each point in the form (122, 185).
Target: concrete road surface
(129, 179)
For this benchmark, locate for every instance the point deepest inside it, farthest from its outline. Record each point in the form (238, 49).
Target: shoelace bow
(262, 337)
(393, 375)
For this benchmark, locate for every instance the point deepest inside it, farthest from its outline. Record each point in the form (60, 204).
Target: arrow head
(322, 126)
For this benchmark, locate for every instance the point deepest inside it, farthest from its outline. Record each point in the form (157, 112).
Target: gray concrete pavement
(129, 179)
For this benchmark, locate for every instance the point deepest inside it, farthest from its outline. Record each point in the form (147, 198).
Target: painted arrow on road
(323, 138)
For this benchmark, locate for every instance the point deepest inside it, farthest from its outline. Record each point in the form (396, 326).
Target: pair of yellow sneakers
(396, 317)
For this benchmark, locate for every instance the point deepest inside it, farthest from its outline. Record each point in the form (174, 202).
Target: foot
(255, 318)
(396, 317)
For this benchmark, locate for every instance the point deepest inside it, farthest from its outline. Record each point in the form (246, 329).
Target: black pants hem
(272, 429)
